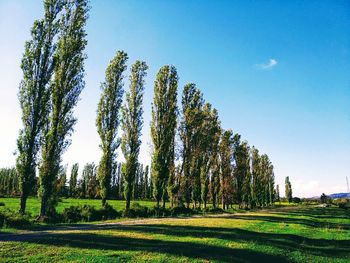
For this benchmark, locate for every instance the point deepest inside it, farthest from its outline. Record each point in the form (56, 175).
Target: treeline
(194, 160)
(88, 185)
(9, 183)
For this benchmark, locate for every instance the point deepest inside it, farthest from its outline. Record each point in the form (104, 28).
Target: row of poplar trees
(194, 160)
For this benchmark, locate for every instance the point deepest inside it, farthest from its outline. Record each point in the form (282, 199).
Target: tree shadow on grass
(293, 220)
(286, 242)
(175, 248)
(317, 212)
(320, 247)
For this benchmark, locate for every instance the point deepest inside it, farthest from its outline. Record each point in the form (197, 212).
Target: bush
(72, 214)
(108, 212)
(217, 210)
(2, 204)
(181, 210)
(342, 203)
(160, 212)
(2, 219)
(296, 200)
(87, 213)
(137, 210)
(9, 218)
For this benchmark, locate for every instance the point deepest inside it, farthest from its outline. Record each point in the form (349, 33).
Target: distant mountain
(338, 195)
(333, 196)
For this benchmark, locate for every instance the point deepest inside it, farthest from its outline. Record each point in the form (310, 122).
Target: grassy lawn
(290, 234)
(33, 204)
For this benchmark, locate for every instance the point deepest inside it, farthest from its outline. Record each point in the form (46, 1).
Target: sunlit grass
(297, 234)
(33, 204)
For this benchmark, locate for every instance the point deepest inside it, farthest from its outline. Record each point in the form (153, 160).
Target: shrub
(296, 200)
(2, 204)
(72, 214)
(87, 213)
(218, 210)
(342, 203)
(108, 212)
(2, 219)
(137, 210)
(181, 210)
(9, 218)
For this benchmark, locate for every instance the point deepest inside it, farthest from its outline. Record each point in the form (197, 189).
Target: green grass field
(289, 234)
(33, 204)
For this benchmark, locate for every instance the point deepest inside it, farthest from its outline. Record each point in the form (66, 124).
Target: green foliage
(73, 180)
(11, 218)
(296, 200)
(37, 65)
(278, 198)
(65, 89)
(323, 198)
(211, 130)
(163, 128)
(342, 203)
(107, 120)
(88, 213)
(73, 214)
(88, 186)
(147, 183)
(241, 172)
(190, 133)
(226, 157)
(137, 210)
(288, 190)
(132, 122)
(61, 188)
(9, 182)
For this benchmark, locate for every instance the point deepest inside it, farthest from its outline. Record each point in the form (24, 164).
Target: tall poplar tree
(65, 89)
(226, 157)
(241, 171)
(146, 183)
(163, 128)
(108, 120)
(215, 158)
(209, 147)
(256, 185)
(190, 133)
(288, 190)
(34, 94)
(278, 194)
(132, 122)
(73, 180)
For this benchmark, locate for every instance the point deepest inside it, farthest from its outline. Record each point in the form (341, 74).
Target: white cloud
(269, 65)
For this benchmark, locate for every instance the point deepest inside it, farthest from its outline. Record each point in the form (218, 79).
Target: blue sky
(277, 71)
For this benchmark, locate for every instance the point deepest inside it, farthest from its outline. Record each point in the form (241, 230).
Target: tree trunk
(43, 207)
(127, 206)
(23, 203)
(104, 201)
